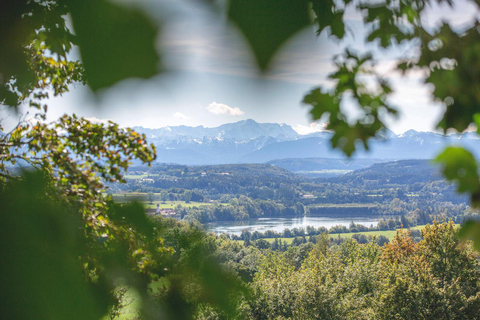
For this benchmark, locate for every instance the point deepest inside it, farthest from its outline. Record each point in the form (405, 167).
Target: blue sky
(212, 79)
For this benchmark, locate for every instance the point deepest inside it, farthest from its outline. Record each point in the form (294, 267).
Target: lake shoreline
(278, 224)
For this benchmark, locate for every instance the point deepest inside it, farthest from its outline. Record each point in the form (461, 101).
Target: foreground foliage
(437, 278)
(68, 268)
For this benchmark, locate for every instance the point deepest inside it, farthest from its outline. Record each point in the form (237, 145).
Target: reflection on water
(280, 224)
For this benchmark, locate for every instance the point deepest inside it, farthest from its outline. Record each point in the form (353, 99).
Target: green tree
(436, 278)
(164, 196)
(299, 209)
(262, 244)
(151, 197)
(187, 196)
(325, 286)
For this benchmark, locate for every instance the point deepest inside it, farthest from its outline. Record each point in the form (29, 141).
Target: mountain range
(248, 141)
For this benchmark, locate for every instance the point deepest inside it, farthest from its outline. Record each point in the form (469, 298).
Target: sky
(211, 77)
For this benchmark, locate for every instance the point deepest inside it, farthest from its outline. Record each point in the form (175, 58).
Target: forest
(437, 276)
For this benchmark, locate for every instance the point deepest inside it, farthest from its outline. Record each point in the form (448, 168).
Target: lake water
(279, 224)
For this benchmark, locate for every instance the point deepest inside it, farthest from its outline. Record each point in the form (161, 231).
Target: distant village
(149, 180)
(166, 212)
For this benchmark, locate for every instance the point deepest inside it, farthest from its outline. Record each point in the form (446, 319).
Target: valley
(268, 201)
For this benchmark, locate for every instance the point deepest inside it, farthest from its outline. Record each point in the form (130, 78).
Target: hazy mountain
(324, 167)
(395, 172)
(248, 141)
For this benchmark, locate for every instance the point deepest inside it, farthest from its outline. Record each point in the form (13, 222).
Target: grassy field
(130, 196)
(387, 233)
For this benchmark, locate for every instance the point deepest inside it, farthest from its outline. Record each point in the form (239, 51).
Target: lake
(279, 224)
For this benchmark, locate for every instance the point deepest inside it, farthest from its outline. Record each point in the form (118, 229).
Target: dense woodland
(435, 277)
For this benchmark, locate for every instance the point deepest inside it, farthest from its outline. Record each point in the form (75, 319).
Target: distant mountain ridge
(248, 141)
(241, 130)
(406, 172)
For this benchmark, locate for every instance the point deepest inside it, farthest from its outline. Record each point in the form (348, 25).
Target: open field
(387, 233)
(131, 196)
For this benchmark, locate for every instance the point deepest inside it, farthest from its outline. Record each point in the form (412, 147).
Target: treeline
(308, 243)
(397, 213)
(309, 231)
(218, 180)
(340, 210)
(240, 209)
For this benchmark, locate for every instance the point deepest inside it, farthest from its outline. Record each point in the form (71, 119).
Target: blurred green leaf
(267, 24)
(352, 70)
(452, 61)
(219, 287)
(133, 216)
(115, 42)
(329, 16)
(346, 137)
(321, 102)
(471, 230)
(476, 119)
(41, 241)
(460, 166)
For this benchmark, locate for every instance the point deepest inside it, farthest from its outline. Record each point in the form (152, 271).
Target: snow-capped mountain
(239, 131)
(248, 141)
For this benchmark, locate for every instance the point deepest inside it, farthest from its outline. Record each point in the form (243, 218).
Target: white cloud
(97, 120)
(181, 116)
(312, 128)
(220, 108)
